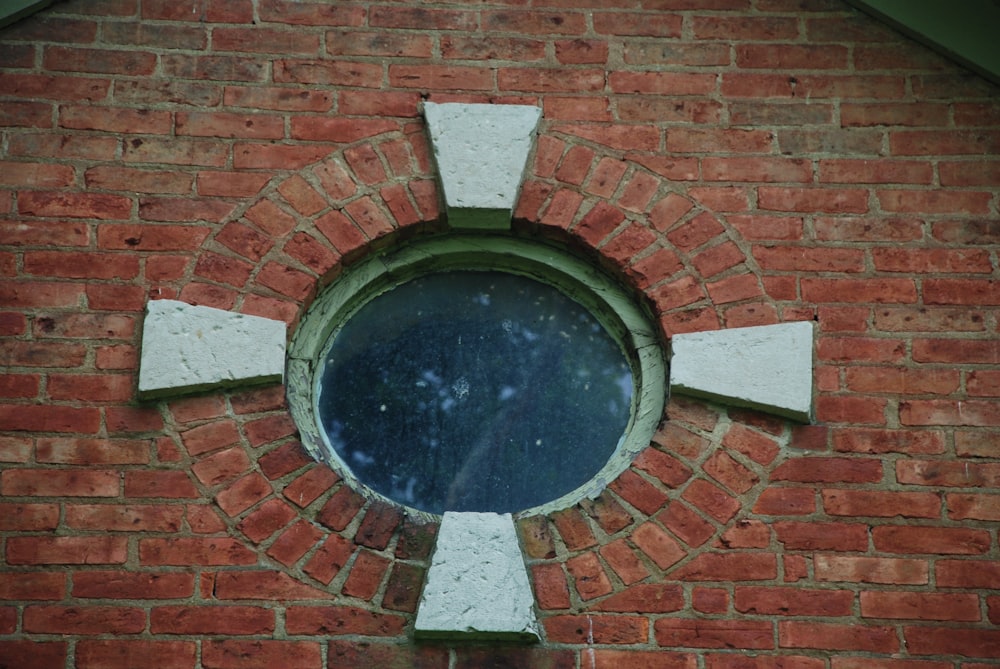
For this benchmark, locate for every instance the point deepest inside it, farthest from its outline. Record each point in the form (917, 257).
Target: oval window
(473, 391)
(475, 375)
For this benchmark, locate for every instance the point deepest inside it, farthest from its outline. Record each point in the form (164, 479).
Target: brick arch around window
(345, 564)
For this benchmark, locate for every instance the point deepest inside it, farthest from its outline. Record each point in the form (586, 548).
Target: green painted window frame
(622, 314)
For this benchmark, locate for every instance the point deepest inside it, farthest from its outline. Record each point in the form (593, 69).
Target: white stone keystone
(477, 586)
(481, 153)
(766, 367)
(186, 348)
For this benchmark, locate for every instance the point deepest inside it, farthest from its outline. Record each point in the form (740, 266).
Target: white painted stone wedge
(477, 586)
(187, 348)
(481, 152)
(766, 367)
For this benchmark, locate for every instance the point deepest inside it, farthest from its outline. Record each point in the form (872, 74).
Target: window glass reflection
(474, 391)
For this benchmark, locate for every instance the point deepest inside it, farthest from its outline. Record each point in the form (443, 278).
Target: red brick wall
(738, 161)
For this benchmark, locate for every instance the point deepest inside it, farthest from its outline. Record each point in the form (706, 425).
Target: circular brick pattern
(670, 511)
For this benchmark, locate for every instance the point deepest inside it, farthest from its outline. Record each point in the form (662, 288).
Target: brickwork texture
(735, 162)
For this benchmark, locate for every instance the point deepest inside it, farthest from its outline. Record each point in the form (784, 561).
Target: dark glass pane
(474, 391)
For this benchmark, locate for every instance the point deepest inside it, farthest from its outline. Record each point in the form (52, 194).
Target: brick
(340, 509)
(60, 483)
(160, 483)
(575, 165)
(829, 469)
(402, 591)
(449, 77)
(822, 536)
(66, 550)
(607, 512)
(221, 466)
(143, 585)
(378, 526)
(243, 494)
(341, 620)
(827, 636)
(534, 22)
(244, 240)
(658, 545)
(785, 502)
(645, 598)
(711, 500)
(327, 129)
(631, 137)
(19, 386)
(935, 540)
(183, 551)
(573, 529)
(151, 237)
(791, 56)
(566, 108)
(50, 619)
(308, 487)
(259, 654)
(366, 575)
(329, 559)
(756, 170)
(757, 446)
(935, 202)
(228, 620)
(74, 205)
(636, 24)
(487, 47)
(722, 141)
(124, 654)
(624, 562)
(283, 460)
(973, 507)
(686, 524)
(551, 590)
(599, 629)
(744, 634)
(709, 600)
(34, 587)
(512, 656)
(787, 601)
(36, 654)
(266, 520)
(951, 350)
(92, 387)
(204, 519)
(275, 156)
(966, 573)
(210, 437)
(948, 412)
(124, 518)
(923, 640)
(762, 28)
(217, 183)
(920, 606)
(884, 291)
(889, 571)
(874, 441)
(589, 576)
(667, 469)
(269, 429)
(661, 83)
(17, 517)
(353, 653)
(294, 543)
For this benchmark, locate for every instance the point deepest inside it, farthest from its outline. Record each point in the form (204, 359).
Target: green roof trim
(15, 10)
(965, 31)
